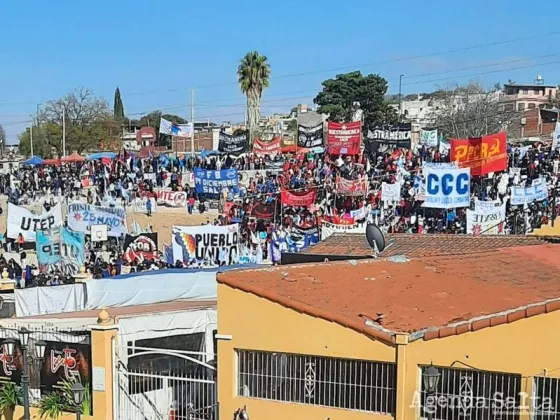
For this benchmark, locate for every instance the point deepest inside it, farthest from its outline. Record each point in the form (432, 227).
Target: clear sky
(156, 51)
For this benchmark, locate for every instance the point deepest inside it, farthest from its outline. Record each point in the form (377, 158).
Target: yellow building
(352, 339)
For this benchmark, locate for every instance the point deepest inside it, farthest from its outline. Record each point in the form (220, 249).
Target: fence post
(103, 337)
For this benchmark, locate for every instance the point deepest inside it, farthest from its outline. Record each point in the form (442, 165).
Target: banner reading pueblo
(22, 221)
(344, 138)
(298, 198)
(206, 243)
(482, 154)
(261, 147)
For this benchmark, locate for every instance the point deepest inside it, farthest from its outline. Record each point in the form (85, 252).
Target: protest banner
(261, 147)
(24, 222)
(140, 247)
(212, 182)
(298, 198)
(391, 193)
(139, 204)
(447, 188)
(429, 138)
(488, 222)
(485, 207)
(482, 154)
(360, 213)
(387, 137)
(274, 165)
(150, 176)
(344, 138)
(82, 216)
(302, 237)
(232, 145)
(526, 195)
(355, 188)
(168, 197)
(60, 251)
(310, 137)
(204, 243)
(328, 229)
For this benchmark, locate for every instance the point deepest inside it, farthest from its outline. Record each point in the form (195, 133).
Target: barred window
(473, 394)
(324, 381)
(545, 402)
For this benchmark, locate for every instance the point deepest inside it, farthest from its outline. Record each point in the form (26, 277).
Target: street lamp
(431, 378)
(40, 348)
(78, 394)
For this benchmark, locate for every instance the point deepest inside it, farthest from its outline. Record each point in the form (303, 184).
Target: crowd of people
(268, 226)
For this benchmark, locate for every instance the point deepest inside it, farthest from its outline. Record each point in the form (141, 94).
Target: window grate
(316, 380)
(473, 394)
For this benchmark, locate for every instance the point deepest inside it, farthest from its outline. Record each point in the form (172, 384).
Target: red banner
(261, 147)
(482, 154)
(345, 138)
(299, 198)
(356, 187)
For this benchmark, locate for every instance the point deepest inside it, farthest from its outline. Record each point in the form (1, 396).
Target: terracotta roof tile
(422, 296)
(353, 244)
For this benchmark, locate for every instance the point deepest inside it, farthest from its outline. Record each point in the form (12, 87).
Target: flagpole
(192, 122)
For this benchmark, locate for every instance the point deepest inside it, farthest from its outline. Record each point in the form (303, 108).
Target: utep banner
(390, 136)
(526, 195)
(298, 198)
(488, 222)
(301, 238)
(261, 147)
(356, 187)
(21, 220)
(204, 243)
(482, 154)
(447, 188)
(309, 137)
(82, 216)
(232, 145)
(212, 182)
(344, 138)
(140, 247)
(170, 198)
(60, 251)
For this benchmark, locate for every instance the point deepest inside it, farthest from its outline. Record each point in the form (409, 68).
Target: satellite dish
(375, 237)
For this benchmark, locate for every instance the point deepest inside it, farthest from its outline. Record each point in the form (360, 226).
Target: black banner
(386, 137)
(66, 362)
(309, 137)
(232, 145)
(264, 211)
(143, 246)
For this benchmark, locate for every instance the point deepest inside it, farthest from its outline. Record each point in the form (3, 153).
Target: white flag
(556, 136)
(172, 129)
(429, 137)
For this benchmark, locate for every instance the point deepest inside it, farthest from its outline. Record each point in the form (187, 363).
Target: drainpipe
(402, 405)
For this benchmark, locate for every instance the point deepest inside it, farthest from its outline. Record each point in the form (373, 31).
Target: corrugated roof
(425, 297)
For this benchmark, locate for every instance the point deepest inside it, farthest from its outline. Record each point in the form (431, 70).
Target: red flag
(299, 198)
(482, 154)
(266, 147)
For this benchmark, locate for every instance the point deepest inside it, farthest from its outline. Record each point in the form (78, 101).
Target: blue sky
(156, 51)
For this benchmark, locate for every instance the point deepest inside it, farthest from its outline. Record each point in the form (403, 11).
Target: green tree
(90, 125)
(253, 75)
(118, 106)
(341, 93)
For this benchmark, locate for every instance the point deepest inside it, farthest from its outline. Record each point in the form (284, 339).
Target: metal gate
(162, 384)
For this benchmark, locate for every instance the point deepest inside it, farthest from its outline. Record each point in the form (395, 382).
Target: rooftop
(428, 297)
(355, 244)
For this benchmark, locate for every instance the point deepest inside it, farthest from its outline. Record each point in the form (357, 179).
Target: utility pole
(192, 122)
(31, 136)
(63, 131)
(400, 97)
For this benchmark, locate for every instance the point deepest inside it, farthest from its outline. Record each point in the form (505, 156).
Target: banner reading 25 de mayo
(482, 154)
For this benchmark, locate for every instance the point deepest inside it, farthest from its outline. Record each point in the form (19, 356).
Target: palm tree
(253, 76)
